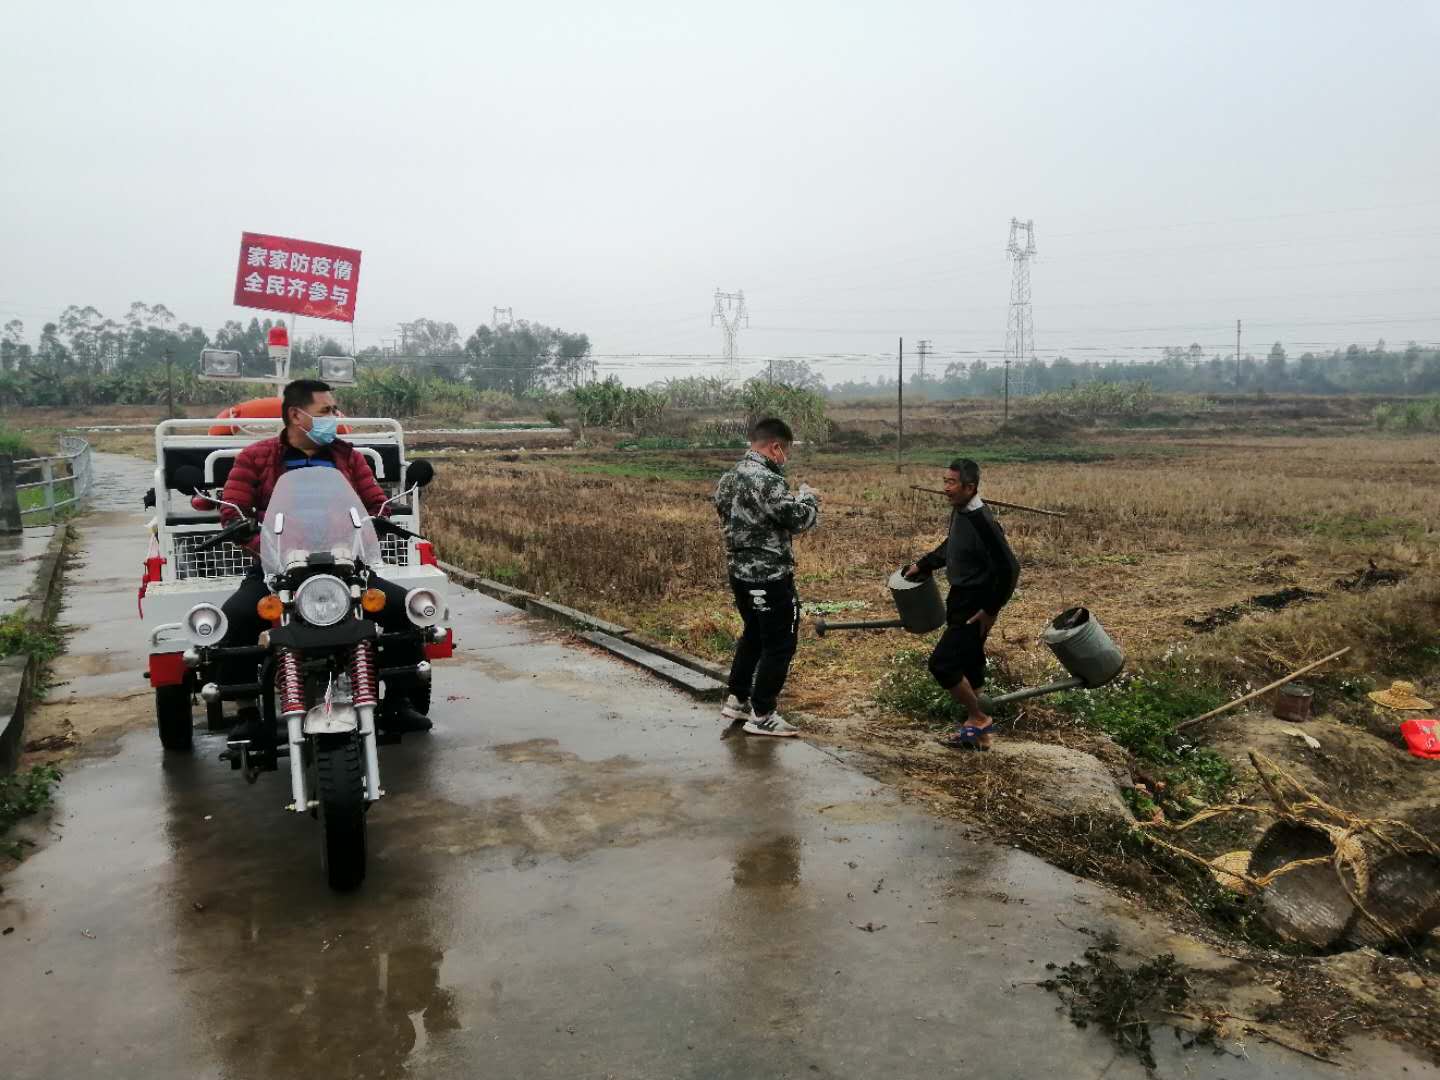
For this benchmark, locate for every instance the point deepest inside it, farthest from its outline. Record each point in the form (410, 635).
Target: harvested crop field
(1159, 538)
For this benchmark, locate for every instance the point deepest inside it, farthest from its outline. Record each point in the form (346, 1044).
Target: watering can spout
(1085, 650)
(918, 603)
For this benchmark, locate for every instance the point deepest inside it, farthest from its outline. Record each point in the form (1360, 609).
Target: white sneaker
(735, 710)
(774, 724)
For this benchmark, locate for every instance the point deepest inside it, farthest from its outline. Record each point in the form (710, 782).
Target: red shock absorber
(289, 682)
(363, 683)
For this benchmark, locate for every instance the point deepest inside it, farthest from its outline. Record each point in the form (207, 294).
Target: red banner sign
(319, 281)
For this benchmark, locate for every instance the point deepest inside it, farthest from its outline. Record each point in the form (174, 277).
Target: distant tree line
(85, 358)
(1414, 369)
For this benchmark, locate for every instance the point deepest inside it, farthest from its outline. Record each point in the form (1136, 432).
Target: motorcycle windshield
(314, 510)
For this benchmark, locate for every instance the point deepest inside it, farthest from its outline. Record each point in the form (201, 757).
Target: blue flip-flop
(968, 738)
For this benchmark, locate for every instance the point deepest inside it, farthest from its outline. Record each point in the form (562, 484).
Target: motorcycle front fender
(340, 720)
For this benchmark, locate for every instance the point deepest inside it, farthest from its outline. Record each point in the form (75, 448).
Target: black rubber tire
(172, 716)
(419, 696)
(340, 790)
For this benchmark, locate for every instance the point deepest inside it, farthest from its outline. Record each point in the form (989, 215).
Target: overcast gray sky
(851, 166)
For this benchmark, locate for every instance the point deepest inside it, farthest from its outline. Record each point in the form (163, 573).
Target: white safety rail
(219, 440)
(62, 479)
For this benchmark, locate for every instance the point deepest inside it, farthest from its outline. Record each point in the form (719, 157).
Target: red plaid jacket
(258, 468)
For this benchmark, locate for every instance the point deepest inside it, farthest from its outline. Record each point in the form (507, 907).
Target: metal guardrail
(61, 480)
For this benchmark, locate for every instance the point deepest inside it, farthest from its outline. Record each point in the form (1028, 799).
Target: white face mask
(323, 429)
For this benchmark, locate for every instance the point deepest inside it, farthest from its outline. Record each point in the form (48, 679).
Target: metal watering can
(919, 604)
(1083, 648)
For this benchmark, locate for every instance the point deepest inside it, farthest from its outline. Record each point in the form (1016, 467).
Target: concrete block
(15, 675)
(684, 659)
(506, 594)
(549, 609)
(692, 682)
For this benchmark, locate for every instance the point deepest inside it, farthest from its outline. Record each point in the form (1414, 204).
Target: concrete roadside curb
(17, 673)
(684, 659)
(695, 676)
(683, 678)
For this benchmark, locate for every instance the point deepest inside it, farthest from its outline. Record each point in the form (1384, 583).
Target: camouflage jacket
(758, 516)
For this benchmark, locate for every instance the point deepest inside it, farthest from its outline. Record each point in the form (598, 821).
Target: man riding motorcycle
(307, 441)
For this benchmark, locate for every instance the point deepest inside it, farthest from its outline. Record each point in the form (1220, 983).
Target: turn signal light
(270, 609)
(373, 600)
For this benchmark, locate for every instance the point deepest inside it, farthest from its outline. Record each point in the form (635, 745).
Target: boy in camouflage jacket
(759, 515)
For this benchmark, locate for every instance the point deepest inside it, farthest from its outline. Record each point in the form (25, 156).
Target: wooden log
(997, 502)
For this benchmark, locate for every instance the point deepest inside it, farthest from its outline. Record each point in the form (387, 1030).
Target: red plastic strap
(152, 573)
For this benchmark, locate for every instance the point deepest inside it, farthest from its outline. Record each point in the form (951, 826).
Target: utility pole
(730, 310)
(900, 411)
(1020, 330)
(169, 385)
(1237, 356)
(1007, 391)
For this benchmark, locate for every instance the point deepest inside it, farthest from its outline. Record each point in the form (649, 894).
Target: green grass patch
(21, 795)
(18, 635)
(32, 502)
(15, 445)
(717, 641)
(832, 607)
(1140, 712)
(1360, 527)
(909, 689)
(505, 573)
(670, 442)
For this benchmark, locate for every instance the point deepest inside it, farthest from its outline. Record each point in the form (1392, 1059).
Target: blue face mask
(323, 429)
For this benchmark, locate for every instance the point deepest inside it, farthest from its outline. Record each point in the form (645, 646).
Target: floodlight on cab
(219, 364)
(338, 369)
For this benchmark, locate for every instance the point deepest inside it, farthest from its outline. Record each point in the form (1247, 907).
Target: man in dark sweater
(983, 572)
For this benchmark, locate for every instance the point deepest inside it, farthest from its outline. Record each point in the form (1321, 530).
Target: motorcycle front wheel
(340, 790)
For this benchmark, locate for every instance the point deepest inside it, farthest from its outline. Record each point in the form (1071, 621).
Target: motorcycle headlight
(322, 600)
(423, 607)
(205, 624)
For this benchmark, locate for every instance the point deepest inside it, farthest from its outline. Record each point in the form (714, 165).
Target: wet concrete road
(574, 875)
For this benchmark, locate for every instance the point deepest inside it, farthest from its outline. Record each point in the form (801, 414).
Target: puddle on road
(768, 863)
(598, 804)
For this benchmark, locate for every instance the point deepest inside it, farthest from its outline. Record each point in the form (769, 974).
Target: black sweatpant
(246, 624)
(960, 652)
(771, 613)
